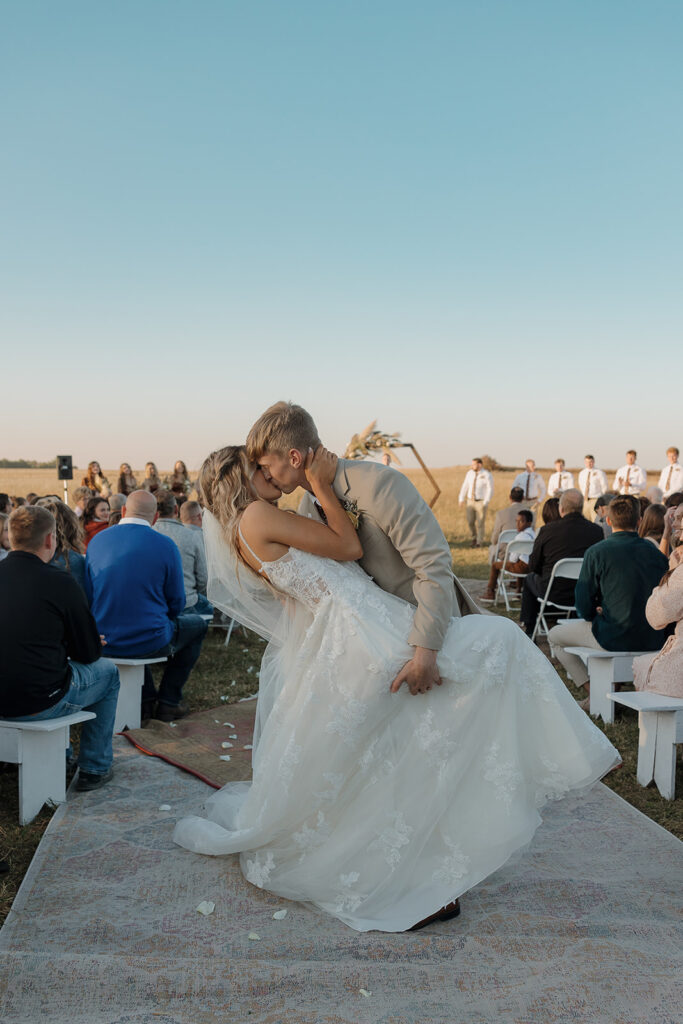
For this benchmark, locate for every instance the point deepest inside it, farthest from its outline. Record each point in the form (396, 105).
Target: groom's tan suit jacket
(404, 549)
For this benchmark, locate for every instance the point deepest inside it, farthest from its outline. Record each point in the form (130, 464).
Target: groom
(404, 548)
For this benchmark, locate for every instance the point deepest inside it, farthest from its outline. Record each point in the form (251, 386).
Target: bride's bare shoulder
(260, 512)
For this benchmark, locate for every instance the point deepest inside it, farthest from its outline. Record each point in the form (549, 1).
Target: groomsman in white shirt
(671, 477)
(532, 484)
(561, 480)
(477, 490)
(630, 479)
(592, 484)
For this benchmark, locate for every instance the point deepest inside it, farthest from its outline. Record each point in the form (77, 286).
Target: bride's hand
(320, 467)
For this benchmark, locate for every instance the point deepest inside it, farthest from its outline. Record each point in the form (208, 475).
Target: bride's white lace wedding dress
(381, 808)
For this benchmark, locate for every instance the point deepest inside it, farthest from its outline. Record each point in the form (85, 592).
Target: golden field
(468, 562)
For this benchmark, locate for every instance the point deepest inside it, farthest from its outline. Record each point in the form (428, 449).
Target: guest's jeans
(94, 687)
(182, 652)
(202, 606)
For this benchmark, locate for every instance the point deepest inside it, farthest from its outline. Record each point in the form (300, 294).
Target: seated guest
(654, 495)
(550, 512)
(31, 498)
(134, 578)
(671, 536)
(506, 519)
(190, 543)
(50, 656)
(191, 514)
(17, 501)
(663, 672)
(4, 535)
(561, 480)
(96, 480)
(179, 481)
(152, 481)
(617, 577)
(652, 524)
(126, 483)
(671, 477)
(600, 511)
(95, 517)
(520, 564)
(569, 537)
(116, 503)
(69, 539)
(81, 496)
(5, 504)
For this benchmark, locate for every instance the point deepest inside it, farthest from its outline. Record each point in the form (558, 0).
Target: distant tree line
(26, 464)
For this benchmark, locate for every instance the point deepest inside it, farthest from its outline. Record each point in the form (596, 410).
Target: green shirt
(619, 574)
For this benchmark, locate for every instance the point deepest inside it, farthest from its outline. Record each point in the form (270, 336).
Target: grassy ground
(219, 667)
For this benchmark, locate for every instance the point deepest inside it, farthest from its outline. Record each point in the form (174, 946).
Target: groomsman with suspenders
(477, 488)
(592, 484)
(630, 479)
(671, 477)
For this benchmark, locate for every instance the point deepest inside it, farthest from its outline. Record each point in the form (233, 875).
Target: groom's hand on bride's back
(420, 673)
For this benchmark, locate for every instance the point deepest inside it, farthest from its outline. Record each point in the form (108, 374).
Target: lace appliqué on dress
(501, 774)
(453, 867)
(393, 837)
(258, 873)
(348, 899)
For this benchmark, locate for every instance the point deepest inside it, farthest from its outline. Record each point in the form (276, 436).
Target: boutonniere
(351, 509)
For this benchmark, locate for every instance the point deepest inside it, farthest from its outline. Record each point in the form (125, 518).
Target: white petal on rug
(254, 937)
(164, 807)
(206, 907)
(279, 915)
(225, 746)
(364, 992)
(225, 757)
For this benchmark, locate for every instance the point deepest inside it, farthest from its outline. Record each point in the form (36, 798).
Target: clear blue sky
(462, 218)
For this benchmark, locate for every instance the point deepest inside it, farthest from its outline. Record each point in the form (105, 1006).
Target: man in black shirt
(570, 536)
(50, 654)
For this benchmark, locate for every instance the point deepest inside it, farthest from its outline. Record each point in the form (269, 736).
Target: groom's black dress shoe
(445, 914)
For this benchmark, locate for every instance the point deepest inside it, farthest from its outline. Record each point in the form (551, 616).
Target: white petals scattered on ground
(230, 724)
(225, 746)
(174, 725)
(206, 907)
(248, 746)
(225, 757)
(279, 915)
(254, 937)
(225, 697)
(232, 735)
(164, 807)
(364, 992)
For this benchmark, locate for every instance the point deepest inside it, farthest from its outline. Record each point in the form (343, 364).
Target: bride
(379, 807)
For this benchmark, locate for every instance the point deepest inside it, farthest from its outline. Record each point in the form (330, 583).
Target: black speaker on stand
(65, 471)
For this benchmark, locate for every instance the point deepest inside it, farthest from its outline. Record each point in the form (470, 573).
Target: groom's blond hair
(279, 429)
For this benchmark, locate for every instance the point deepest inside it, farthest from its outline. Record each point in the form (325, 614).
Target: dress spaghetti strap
(249, 548)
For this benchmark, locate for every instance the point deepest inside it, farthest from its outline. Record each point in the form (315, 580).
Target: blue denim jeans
(182, 652)
(95, 688)
(202, 607)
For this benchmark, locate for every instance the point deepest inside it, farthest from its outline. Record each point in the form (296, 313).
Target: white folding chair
(514, 549)
(503, 540)
(566, 569)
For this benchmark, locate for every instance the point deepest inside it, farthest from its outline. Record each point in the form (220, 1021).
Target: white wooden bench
(132, 676)
(605, 669)
(660, 728)
(39, 748)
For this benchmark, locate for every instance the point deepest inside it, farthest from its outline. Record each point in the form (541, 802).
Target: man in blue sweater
(134, 580)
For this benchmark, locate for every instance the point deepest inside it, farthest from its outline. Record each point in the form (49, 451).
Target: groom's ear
(296, 458)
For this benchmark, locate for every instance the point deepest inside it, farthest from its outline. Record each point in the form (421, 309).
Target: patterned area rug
(214, 745)
(586, 927)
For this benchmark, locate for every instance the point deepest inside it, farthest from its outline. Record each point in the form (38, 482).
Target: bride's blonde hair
(224, 488)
